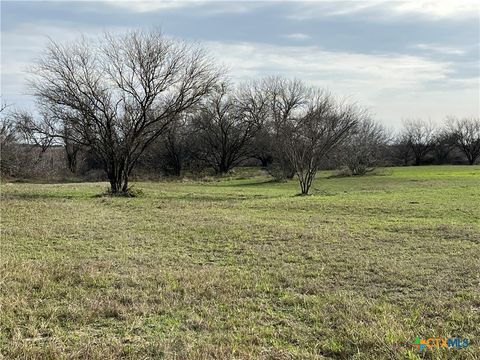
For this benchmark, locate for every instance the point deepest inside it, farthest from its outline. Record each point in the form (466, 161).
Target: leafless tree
(443, 144)
(401, 150)
(169, 153)
(226, 125)
(466, 134)
(36, 136)
(72, 148)
(21, 149)
(420, 136)
(8, 129)
(173, 146)
(362, 149)
(285, 98)
(3, 107)
(309, 136)
(262, 147)
(7, 126)
(8, 139)
(174, 150)
(118, 94)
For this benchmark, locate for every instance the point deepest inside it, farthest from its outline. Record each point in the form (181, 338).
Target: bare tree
(226, 126)
(72, 149)
(8, 129)
(118, 94)
(37, 137)
(420, 136)
(443, 144)
(262, 147)
(311, 135)
(466, 134)
(401, 150)
(7, 126)
(363, 147)
(169, 153)
(3, 107)
(8, 140)
(173, 147)
(286, 98)
(21, 149)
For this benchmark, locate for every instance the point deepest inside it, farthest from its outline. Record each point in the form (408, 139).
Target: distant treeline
(178, 153)
(144, 105)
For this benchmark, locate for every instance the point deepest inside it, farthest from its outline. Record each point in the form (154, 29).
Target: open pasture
(242, 268)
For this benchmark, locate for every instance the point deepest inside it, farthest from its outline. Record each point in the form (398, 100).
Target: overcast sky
(399, 59)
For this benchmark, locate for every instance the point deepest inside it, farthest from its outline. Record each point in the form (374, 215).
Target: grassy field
(242, 268)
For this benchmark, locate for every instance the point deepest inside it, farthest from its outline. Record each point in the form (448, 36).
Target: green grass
(243, 268)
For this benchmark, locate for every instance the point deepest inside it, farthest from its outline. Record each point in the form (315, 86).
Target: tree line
(145, 101)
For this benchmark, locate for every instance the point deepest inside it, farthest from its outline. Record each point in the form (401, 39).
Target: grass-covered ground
(242, 268)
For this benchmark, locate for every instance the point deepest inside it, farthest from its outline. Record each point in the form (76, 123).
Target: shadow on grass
(49, 181)
(131, 192)
(216, 198)
(254, 183)
(43, 196)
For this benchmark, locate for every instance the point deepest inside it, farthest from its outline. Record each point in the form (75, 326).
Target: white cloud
(22, 45)
(399, 71)
(440, 49)
(427, 9)
(217, 6)
(152, 5)
(320, 9)
(297, 36)
(393, 86)
(438, 9)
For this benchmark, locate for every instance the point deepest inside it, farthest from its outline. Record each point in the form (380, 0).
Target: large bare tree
(226, 125)
(310, 135)
(117, 94)
(466, 135)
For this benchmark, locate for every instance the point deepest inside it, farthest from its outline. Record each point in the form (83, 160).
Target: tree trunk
(177, 166)
(306, 181)
(72, 162)
(114, 186)
(304, 188)
(118, 177)
(71, 151)
(125, 183)
(119, 184)
(177, 170)
(470, 157)
(223, 167)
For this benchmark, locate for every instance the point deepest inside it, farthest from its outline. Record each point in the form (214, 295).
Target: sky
(399, 59)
